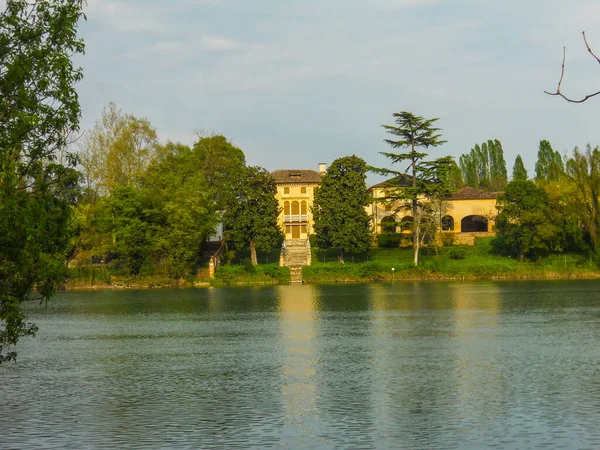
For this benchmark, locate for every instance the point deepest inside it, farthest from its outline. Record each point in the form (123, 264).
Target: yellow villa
(295, 193)
(467, 214)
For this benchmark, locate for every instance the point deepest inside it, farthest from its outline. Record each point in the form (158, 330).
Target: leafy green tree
(250, 218)
(118, 150)
(39, 108)
(583, 169)
(549, 166)
(184, 208)
(484, 167)
(158, 226)
(519, 170)
(423, 176)
(221, 162)
(132, 228)
(523, 227)
(565, 214)
(339, 207)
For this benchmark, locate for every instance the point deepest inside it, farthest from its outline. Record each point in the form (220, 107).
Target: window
(286, 190)
(447, 223)
(288, 229)
(303, 229)
(303, 190)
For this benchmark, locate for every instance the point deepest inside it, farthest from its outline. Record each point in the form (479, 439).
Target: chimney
(322, 168)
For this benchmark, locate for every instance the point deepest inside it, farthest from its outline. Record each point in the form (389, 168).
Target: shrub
(272, 270)
(447, 239)
(389, 240)
(370, 271)
(248, 267)
(457, 253)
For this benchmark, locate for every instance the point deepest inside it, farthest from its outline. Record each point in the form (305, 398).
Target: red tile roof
(296, 176)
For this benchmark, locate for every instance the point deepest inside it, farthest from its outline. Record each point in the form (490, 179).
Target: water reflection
(405, 365)
(297, 322)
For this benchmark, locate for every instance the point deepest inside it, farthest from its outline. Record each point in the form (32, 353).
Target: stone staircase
(295, 253)
(296, 274)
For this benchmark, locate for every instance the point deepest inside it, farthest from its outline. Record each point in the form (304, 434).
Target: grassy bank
(248, 274)
(448, 263)
(105, 277)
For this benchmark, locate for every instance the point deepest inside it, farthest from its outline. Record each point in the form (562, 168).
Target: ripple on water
(412, 367)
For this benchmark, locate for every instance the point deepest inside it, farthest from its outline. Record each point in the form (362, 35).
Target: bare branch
(589, 48)
(562, 74)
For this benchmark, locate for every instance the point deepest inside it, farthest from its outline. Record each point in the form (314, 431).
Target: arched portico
(474, 224)
(388, 224)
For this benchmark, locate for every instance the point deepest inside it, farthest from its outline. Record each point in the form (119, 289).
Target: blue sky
(294, 83)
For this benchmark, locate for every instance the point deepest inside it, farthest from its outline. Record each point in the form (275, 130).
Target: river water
(406, 365)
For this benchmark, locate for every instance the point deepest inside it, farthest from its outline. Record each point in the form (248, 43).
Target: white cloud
(128, 17)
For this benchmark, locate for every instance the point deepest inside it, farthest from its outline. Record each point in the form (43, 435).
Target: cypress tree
(519, 171)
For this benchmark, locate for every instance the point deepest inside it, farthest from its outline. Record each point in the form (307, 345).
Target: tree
(340, 218)
(549, 166)
(251, 213)
(562, 74)
(117, 151)
(39, 108)
(484, 167)
(522, 225)
(583, 169)
(452, 177)
(221, 163)
(158, 225)
(519, 170)
(413, 132)
(184, 208)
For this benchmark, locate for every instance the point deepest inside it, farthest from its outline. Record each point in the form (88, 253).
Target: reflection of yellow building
(295, 193)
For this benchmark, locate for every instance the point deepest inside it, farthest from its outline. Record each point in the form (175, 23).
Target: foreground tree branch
(562, 74)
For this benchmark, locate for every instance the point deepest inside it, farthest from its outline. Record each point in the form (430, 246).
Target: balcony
(295, 218)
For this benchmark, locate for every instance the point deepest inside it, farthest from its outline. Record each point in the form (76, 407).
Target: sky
(295, 83)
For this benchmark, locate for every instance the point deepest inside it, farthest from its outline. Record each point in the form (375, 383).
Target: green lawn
(454, 262)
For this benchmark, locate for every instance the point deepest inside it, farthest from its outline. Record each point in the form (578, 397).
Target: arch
(447, 223)
(303, 207)
(388, 224)
(473, 224)
(295, 208)
(406, 224)
(286, 208)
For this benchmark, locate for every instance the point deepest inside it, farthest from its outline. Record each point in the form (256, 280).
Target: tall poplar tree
(549, 166)
(39, 107)
(484, 166)
(583, 169)
(413, 132)
(519, 171)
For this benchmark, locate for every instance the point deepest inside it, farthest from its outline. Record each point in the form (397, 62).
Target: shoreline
(388, 280)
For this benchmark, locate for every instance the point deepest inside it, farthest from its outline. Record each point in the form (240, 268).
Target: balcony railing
(295, 218)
